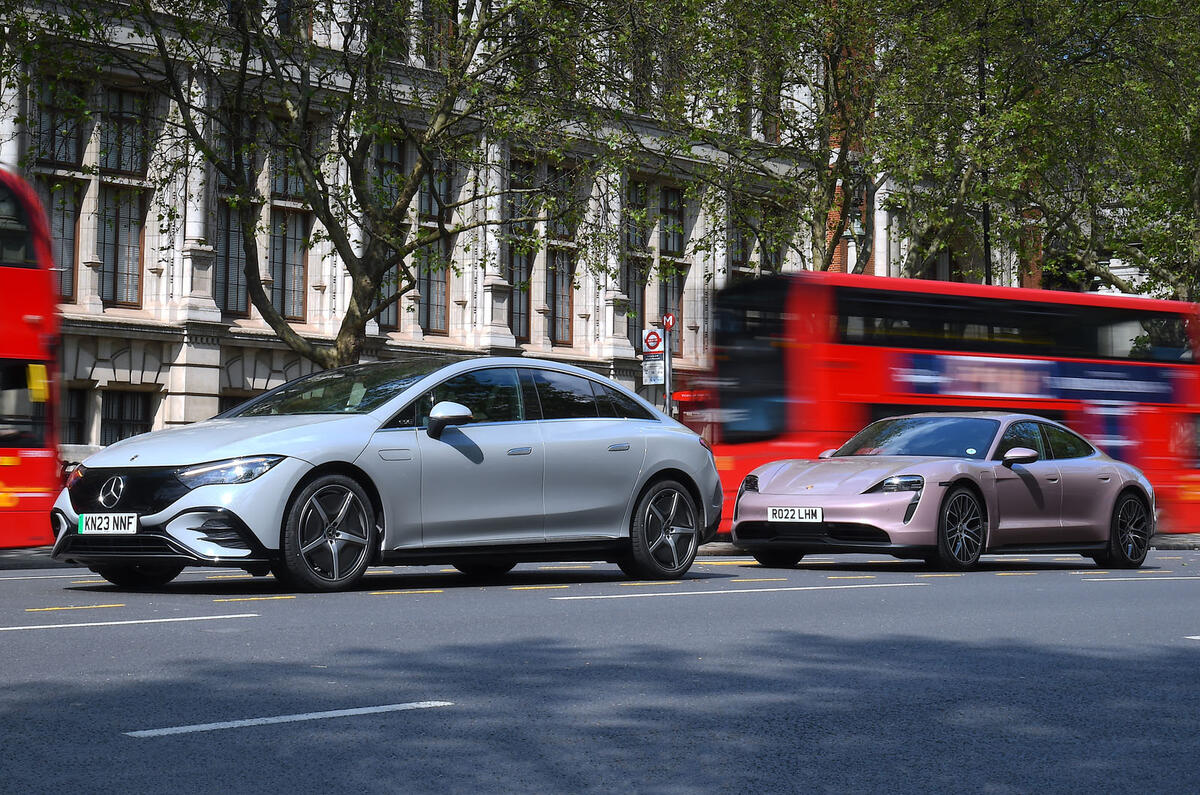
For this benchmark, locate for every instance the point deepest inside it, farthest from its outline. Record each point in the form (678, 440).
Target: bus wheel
(140, 575)
(777, 558)
(1129, 535)
(960, 530)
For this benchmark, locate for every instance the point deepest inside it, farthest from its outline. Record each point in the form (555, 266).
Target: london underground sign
(654, 365)
(652, 341)
(669, 321)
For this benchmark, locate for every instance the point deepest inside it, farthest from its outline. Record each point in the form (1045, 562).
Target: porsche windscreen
(949, 437)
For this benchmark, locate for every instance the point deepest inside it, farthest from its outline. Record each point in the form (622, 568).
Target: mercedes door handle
(1051, 480)
(521, 451)
(618, 448)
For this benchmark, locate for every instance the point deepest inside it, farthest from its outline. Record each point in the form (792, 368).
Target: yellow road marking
(938, 575)
(656, 582)
(88, 582)
(1155, 571)
(1014, 573)
(1170, 557)
(230, 577)
(405, 593)
(852, 577)
(253, 599)
(447, 570)
(1062, 560)
(537, 587)
(729, 563)
(73, 607)
(759, 579)
(562, 568)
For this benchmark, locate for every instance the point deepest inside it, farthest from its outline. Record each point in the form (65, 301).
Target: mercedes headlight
(227, 472)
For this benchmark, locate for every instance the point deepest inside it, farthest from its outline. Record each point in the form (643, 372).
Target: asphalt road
(846, 674)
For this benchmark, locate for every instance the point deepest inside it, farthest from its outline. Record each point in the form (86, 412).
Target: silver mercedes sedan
(481, 463)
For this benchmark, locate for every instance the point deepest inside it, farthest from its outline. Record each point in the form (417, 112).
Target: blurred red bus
(803, 361)
(29, 469)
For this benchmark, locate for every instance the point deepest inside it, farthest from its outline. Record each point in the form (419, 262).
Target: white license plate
(795, 514)
(108, 524)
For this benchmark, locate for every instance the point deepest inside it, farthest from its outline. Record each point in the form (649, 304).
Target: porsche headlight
(227, 472)
(903, 483)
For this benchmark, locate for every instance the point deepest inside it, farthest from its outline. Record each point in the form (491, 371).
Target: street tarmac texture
(845, 673)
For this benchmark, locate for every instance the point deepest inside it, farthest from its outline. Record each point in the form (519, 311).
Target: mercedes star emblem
(111, 491)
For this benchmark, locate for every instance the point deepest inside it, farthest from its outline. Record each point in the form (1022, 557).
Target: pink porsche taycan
(948, 488)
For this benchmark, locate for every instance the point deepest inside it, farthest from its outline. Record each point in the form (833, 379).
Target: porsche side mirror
(1020, 455)
(447, 413)
(828, 453)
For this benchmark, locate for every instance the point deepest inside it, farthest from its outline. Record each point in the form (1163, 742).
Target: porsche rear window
(948, 437)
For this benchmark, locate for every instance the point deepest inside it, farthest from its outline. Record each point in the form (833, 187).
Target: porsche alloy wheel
(1130, 533)
(960, 530)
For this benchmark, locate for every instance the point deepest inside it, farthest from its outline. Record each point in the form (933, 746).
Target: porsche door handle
(521, 451)
(618, 448)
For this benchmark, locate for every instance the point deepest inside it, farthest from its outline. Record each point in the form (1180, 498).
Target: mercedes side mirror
(828, 453)
(447, 413)
(1020, 455)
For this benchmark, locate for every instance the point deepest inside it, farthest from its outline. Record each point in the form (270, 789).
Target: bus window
(22, 415)
(15, 248)
(751, 385)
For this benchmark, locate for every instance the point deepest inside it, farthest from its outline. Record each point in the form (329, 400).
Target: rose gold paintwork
(1064, 503)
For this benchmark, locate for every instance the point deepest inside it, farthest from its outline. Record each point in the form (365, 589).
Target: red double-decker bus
(803, 361)
(29, 468)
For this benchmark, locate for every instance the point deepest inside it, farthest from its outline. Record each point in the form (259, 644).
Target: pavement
(39, 557)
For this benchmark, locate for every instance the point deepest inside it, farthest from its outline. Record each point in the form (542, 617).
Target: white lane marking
(335, 713)
(133, 621)
(745, 590)
(1191, 637)
(1136, 579)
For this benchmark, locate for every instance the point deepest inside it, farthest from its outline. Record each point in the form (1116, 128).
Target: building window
(120, 243)
(433, 283)
(59, 136)
(637, 217)
(670, 299)
(286, 182)
(289, 254)
(123, 414)
(389, 317)
(124, 132)
(74, 416)
(61, 199)
(439, 19)
(227, 402)
(389, 171)
(229, 288)
(560, 278)
(671, 237)
(633, 285)
(521, 246)
(433, 202)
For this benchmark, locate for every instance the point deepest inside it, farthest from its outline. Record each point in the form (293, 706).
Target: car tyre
(961, 530)
(664, 534)
(778, 559)
(484, 569)
(140, 575)
(1129, 533)
(328, 535)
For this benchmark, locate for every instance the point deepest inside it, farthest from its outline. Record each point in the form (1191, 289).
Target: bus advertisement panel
(804, 361)
(29, 468)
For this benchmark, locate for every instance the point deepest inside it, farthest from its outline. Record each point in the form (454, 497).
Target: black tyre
(484, 569)
(664, 535)
(328, 535)
(961, 530)
(1129, 533)
(778, 559)
(140, 575)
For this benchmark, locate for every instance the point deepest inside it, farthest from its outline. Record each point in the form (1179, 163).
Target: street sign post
(653, 357)
(668, 324)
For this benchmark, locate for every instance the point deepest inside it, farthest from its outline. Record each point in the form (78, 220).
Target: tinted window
(24, 393)
(348, 390)
(1064, 444)
(1022, 434)
(15, 243)
(564, 396)
(492, 395)
(943, 322)
(612, 402)
(953, 437)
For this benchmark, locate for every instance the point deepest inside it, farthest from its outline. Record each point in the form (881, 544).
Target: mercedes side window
(564, 396)
(615, 403)
(1022, 434)
(1064, 444)
(492, 395)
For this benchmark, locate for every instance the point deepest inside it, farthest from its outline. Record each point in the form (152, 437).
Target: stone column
(494, 333)
(10, 134)
(194, 377)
